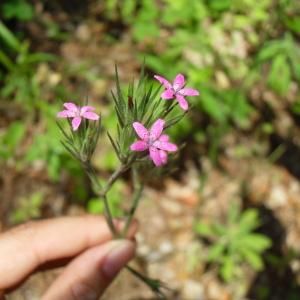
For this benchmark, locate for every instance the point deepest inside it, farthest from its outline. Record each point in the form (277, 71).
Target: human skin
(84, 244)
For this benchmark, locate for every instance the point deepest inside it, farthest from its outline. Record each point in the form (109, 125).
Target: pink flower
(176, 90)
(154, 141)
(77, 113)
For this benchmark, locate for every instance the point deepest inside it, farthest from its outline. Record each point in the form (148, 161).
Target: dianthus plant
(144, 113)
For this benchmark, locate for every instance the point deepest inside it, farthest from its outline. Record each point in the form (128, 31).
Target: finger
(89, 274)
(26, 247)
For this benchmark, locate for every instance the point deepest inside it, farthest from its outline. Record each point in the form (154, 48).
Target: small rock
(154, 256)
(193, 290)
(171, 207)
(216, 292)
(278, 197)
(143, 250)
(83, 33)
(166, 247)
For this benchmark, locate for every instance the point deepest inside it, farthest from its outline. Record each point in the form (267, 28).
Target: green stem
(109, 217)
(97, 186)
(138, 188)
(113, 178)
(123, 168)
(153, 284)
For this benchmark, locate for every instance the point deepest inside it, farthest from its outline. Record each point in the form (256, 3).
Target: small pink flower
(176, 90)
(154, 141)
(77, 113)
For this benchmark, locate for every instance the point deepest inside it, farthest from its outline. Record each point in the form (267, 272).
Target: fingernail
(118, 257)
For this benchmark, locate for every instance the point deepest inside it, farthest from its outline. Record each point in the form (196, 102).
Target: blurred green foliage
(234, 242)
(96, 206)
(28, 208)
(11, 139)
(19, 83)
(20, 64)
(226, 48)
(21, 10)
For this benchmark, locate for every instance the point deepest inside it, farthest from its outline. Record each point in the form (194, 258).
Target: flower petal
(90, 115)
(166, 146)
(182, 102)
(157, 129)
(75, 123)
(167, 94)
(71, 106)
(164, 138)
(86, 108)
(141, 131)
(188, 92)
(163, 156)
(139, 146)
(163, 81)
(179, 82)
(66, 114)
(155, 156)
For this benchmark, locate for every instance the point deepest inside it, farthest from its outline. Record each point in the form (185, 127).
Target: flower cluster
(176, 90)
(151, 140)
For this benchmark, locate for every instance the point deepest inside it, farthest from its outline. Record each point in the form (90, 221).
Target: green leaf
(233, 213)
(39, 57)
(220, 6)
(6, 61)
(203, 229)
(256, 242)
(219, 229)
(270, 50)
(19, 9)
(227, 269)
(95, 206)
(54, 166)
(128, 8)
(215, 252)
(280, 83)
(213, 106)
(253, 259)
(9, 38)
(249, 220)
(115, 146)
(292, 23)
(14, 135)
(145, 29)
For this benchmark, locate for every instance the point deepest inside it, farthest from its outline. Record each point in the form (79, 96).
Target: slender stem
(123, 168)
(138, 188)
(113, 178)
(109, 217)
(97, 186)
(153, 284)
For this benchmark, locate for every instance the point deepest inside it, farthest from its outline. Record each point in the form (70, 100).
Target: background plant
(234, 242)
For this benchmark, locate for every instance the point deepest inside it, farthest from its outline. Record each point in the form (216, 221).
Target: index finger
(26, 247)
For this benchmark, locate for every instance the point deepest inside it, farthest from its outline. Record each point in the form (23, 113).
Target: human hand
(86, 242)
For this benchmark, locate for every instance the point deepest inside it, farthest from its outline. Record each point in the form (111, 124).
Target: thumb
(89, 274)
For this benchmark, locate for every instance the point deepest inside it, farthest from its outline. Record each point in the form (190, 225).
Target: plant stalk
(138, 188)
(97, 187)
(154, 285)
